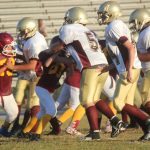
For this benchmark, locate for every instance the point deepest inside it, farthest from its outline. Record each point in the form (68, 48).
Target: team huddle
(102, 77)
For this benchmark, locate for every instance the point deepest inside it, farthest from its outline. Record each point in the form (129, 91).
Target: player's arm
(50, 60)
(30, 66)
(131, 53)
(144, 56)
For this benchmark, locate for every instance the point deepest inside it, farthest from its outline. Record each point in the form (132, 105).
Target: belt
(95, 66)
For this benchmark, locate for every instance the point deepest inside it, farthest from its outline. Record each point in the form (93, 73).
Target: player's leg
(10, 106)
(108, 92)
(60, 103)
(125, 101)
(62, 100)
(33, 101)
(48, 105)
(146, 91)
(20, 91)
(137, 103)
(79, 111)
(103, 107)
(87, 90)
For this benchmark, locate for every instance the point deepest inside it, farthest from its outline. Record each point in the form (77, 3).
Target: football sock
(31, 124)
(92, 116)
(16, 122)
(42, 123)
(26, 118)
(66, 115)
(78, 113)
(110, 104)
(134, 111)
(35, 110)
(77, 116)
(6, 125)
(103, 107)
(99, 120)
(147, 107)
(124, 116)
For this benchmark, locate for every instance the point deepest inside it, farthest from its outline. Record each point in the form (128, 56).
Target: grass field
(125, 141)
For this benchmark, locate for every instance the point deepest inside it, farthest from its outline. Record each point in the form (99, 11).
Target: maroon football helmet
(7, 44)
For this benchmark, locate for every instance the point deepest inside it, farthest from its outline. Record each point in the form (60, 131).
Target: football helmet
(108, 11)
(7, 44)
(138, 19)
(76, 15)
(26, 28)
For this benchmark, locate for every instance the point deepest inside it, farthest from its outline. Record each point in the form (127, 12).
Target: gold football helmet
(76, 15)
(108, 11)
(138, 19)
(26, 28)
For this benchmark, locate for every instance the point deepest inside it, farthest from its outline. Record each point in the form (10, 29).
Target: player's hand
(130, 76)
(9, 64)
(100, 69)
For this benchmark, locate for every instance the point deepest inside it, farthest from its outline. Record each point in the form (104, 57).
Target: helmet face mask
(67, 21)
(108, 11)
(9, 50)
(76, 15)
(7, 45)
(102, 17)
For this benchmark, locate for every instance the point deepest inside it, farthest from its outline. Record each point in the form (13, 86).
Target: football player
(54, 65)
(124, 56)
(33, 44)
(140, 22)
(7, 101)
(83, 45)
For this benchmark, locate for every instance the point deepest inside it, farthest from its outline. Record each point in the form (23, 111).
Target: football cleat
(73, 131)
(4, 132)
(55, 125)
(21, 134)
(34, 137)
(54, 131)
(117, 124)
(16, 130)
(91, 136)
(146, 136)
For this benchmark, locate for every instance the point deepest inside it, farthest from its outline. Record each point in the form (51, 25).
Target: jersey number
(57, 70)
(92, 41)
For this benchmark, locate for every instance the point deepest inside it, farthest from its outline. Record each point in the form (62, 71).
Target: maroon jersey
(51, 74)
(74, 79)
(5, 78)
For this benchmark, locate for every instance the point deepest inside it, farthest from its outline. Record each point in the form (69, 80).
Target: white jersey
(31, 49)
(143, 46)
(82, 45)
(119, 54)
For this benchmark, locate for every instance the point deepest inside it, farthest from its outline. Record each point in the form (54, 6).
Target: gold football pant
(137, 98)
(125, 91)
(22, 86)
(91, 86)
(146, 87)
